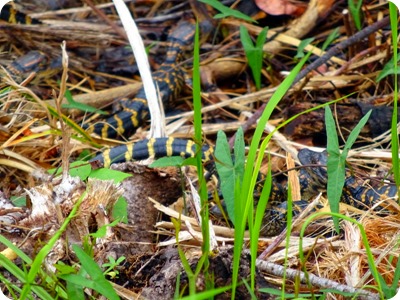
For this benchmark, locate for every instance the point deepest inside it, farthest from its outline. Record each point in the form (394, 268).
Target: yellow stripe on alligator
(150, 147)
(129, 152)
(169, 146)
(120, 124)
(134, 118)
(208, 154)
(189, 148)
(106, 157)
(13, 16)
(104, 131)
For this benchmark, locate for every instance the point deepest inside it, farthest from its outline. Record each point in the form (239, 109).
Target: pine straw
(346, 261)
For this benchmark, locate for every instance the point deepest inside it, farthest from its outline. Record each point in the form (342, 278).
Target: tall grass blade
(203, 261)
(258, 220)
(253, 166)
(394, 134)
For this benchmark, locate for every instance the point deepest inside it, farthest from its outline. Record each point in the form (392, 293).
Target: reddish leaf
(282, 7)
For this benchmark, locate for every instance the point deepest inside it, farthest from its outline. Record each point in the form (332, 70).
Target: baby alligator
(312, 179)
(169, 79)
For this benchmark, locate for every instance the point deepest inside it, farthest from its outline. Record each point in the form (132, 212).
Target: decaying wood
(164, 185)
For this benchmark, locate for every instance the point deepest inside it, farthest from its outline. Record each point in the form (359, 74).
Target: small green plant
(390, 68)
(90, 276)
(336, 166)
(300, 49)
(42, 291)
(226, 11)
(111, 266)
(356, 12)
(230, 171)
(251, 172)
(84, 171)
(254, 52)
(35, 269)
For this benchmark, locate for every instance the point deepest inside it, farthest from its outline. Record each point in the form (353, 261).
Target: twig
(341, 46)
(66, 135)
(312, 279)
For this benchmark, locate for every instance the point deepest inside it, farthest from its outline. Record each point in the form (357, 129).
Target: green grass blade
(22, 276)
(288, 233)
(203, 193)
(300, 49)
(226, 11)
(356, 12)
(239, 151)
(258, 221)
(355, 133)
(254, 53)
(331, 133)
(208, 294)
(40, 257)
(331, 37)
(72, 104)
(70, 123)
(394, 136)
(253, 166)
(14, 248)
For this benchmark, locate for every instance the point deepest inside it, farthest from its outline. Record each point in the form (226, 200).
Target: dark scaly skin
(33, 61)
(169, 79)
(158, 147)
(365, 197)
(274, 219)
(353, 193)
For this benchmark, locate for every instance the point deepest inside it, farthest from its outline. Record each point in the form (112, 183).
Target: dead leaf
(282, 7)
